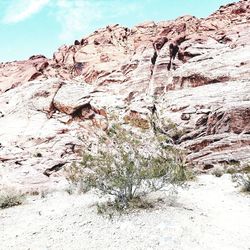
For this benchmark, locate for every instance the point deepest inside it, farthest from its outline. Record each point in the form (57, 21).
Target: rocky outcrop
(15, 73)
(211, 120)
(51, 109)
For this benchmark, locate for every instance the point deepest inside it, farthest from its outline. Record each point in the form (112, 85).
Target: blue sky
(29, 27)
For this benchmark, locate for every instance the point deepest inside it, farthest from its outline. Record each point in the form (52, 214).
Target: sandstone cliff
(50, 109)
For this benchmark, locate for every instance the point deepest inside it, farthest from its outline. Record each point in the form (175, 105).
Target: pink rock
(51, 109)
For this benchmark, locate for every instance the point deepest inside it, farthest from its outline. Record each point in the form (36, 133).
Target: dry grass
(10, 198)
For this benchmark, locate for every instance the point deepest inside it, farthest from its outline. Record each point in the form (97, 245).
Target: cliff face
(202, 102)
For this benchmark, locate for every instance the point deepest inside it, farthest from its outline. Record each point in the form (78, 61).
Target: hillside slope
(202, 102)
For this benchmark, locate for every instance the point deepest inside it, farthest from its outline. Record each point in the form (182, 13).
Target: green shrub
(125, 170)
(10, 198)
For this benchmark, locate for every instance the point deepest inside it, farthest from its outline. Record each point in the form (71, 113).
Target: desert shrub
(110, 207)
(246, 168)
(236, 167)
(10, 198)
(137, 121)
(124, 169)
(172, 129)
(243, 180)
(231, 170)
(218, 172)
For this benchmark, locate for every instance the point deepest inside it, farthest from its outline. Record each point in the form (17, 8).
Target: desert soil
(211, 214)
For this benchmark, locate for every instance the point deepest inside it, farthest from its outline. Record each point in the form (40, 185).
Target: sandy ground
(211, 214)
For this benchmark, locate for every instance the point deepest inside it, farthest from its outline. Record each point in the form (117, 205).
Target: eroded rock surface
(51, 109)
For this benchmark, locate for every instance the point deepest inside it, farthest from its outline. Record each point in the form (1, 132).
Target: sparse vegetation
(234, 168)
(246, 168)
(231, 170)
(123, 168)
(172, 129)
(109, 208)
(137, 121)
(243, 180)
(10, 198)
(218, 172)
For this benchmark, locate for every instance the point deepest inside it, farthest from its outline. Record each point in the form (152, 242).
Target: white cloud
(76, 16)
(79, 16)
(19, 10)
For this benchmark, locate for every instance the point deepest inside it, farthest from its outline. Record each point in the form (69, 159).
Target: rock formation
(50, 109)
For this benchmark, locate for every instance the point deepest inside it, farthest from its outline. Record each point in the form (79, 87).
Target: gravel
(210, 214)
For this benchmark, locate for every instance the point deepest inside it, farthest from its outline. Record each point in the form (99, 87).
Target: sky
(31, 27)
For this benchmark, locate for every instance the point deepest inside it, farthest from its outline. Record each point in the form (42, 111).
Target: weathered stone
(203, 102)
(70, 97)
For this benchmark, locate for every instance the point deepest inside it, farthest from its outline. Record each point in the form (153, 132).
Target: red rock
(204, 98)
